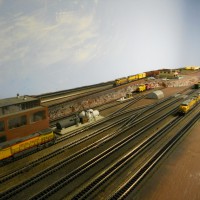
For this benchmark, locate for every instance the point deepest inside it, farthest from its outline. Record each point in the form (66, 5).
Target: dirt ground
(178, 176)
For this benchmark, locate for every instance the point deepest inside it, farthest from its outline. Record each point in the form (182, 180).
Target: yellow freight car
(132, 78)
(141, 75)
(141, 88)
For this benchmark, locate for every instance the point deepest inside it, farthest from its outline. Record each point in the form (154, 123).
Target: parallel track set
(132, 126)
(125, 190)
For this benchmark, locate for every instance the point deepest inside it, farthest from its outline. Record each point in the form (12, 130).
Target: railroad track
(142, 171)
(73, 133)
(116, 117)
(131, 114)
(76, 132)
(127, 104)
(56, 115)
(66, 180)
(29, 182)
(147, 167)
(122, 162)
(71, 158)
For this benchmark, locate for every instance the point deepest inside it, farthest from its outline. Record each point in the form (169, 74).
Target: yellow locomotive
(20, 146)
(189, 104)
(129, 79)
(120, 81)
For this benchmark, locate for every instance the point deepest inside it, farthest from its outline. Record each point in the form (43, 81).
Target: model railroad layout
(108, 156)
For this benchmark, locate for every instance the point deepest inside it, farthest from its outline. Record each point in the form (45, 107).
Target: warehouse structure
(158, 94)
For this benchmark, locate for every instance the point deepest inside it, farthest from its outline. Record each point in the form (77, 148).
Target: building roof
(168, 70)
(158, 94)
(16, 100)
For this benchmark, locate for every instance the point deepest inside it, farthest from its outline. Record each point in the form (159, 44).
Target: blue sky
(47, 45)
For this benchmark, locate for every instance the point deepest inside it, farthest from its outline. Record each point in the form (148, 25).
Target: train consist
(135, 77)
(188, 104)
(129, 79)
(192, 68)
(24, 127)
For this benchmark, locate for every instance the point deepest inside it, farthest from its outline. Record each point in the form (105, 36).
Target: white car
(165, 79)
(151, 78)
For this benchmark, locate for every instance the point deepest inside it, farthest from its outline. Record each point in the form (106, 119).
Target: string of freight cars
(124, 80)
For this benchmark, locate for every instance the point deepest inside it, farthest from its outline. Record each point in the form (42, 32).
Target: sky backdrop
(47, 45)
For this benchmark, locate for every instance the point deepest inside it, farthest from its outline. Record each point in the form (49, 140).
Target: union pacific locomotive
(24, 127)
(188, 104)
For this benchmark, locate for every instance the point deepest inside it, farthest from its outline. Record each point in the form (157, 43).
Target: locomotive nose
(184, 109)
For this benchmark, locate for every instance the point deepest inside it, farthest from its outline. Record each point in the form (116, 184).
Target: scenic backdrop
(47, 45)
